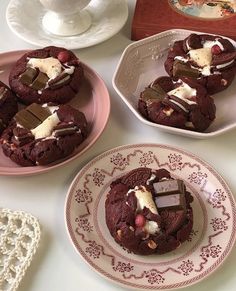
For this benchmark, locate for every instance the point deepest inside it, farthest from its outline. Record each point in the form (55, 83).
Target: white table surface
(57, 266)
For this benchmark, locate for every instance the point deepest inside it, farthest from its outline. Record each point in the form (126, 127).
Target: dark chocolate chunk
(223, 58)
(40, 82)
(38, 111)
(27, 119)
(61, 80)
(171, 201)
(28, 76)
(153, 93)
(170, 194)
(32, 116)
(167, 187)
(165, 83)
(181, 69)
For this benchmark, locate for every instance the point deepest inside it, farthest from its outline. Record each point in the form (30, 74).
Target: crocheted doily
(19, 239)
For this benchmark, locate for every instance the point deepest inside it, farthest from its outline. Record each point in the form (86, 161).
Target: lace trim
(19, 239)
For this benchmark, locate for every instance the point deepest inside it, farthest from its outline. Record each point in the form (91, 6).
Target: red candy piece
(216, 50)
(63, 56)
(140, 220)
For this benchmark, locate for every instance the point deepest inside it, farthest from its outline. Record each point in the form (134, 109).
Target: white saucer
(25, 20)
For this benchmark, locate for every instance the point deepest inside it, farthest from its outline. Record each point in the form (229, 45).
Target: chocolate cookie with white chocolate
(42, 134)
(144, 219)
(210, 59)
(183, 103)
(50, 74)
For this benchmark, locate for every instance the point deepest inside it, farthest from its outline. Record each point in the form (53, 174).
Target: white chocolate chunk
(184, 91)
(168, 111)
(202, 57)
(144, 199)
(69, 70)
(206, 71)
(49, 66)
(45, 128)
(151, 227)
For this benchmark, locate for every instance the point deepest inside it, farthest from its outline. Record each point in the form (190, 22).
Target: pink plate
(93, 99)
(211, 240)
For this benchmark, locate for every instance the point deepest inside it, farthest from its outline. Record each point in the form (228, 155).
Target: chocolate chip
(40, 82)
(181, 69)
(28, 76)
(27, 119)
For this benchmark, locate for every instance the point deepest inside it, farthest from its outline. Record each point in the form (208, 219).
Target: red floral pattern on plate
(209, 243)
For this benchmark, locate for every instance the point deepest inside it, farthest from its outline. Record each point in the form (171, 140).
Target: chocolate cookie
(183, 103)
(209, 59)
(149, 212)
(8, 106)
(42, 134)
(51, 74)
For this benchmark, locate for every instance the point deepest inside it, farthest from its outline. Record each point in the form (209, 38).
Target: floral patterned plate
(210, 242)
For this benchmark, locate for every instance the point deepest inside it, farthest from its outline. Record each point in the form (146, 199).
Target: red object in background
(154, 16)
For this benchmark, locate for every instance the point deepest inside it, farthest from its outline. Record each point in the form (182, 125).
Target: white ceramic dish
(108, 17)
(142, 62)
(214, 212)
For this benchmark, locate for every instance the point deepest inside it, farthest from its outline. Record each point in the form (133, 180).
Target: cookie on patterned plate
(148, 212)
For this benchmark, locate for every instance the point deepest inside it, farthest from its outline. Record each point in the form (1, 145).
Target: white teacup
(66, 17)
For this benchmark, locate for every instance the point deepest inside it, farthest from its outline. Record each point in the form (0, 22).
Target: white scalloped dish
(143, 61)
